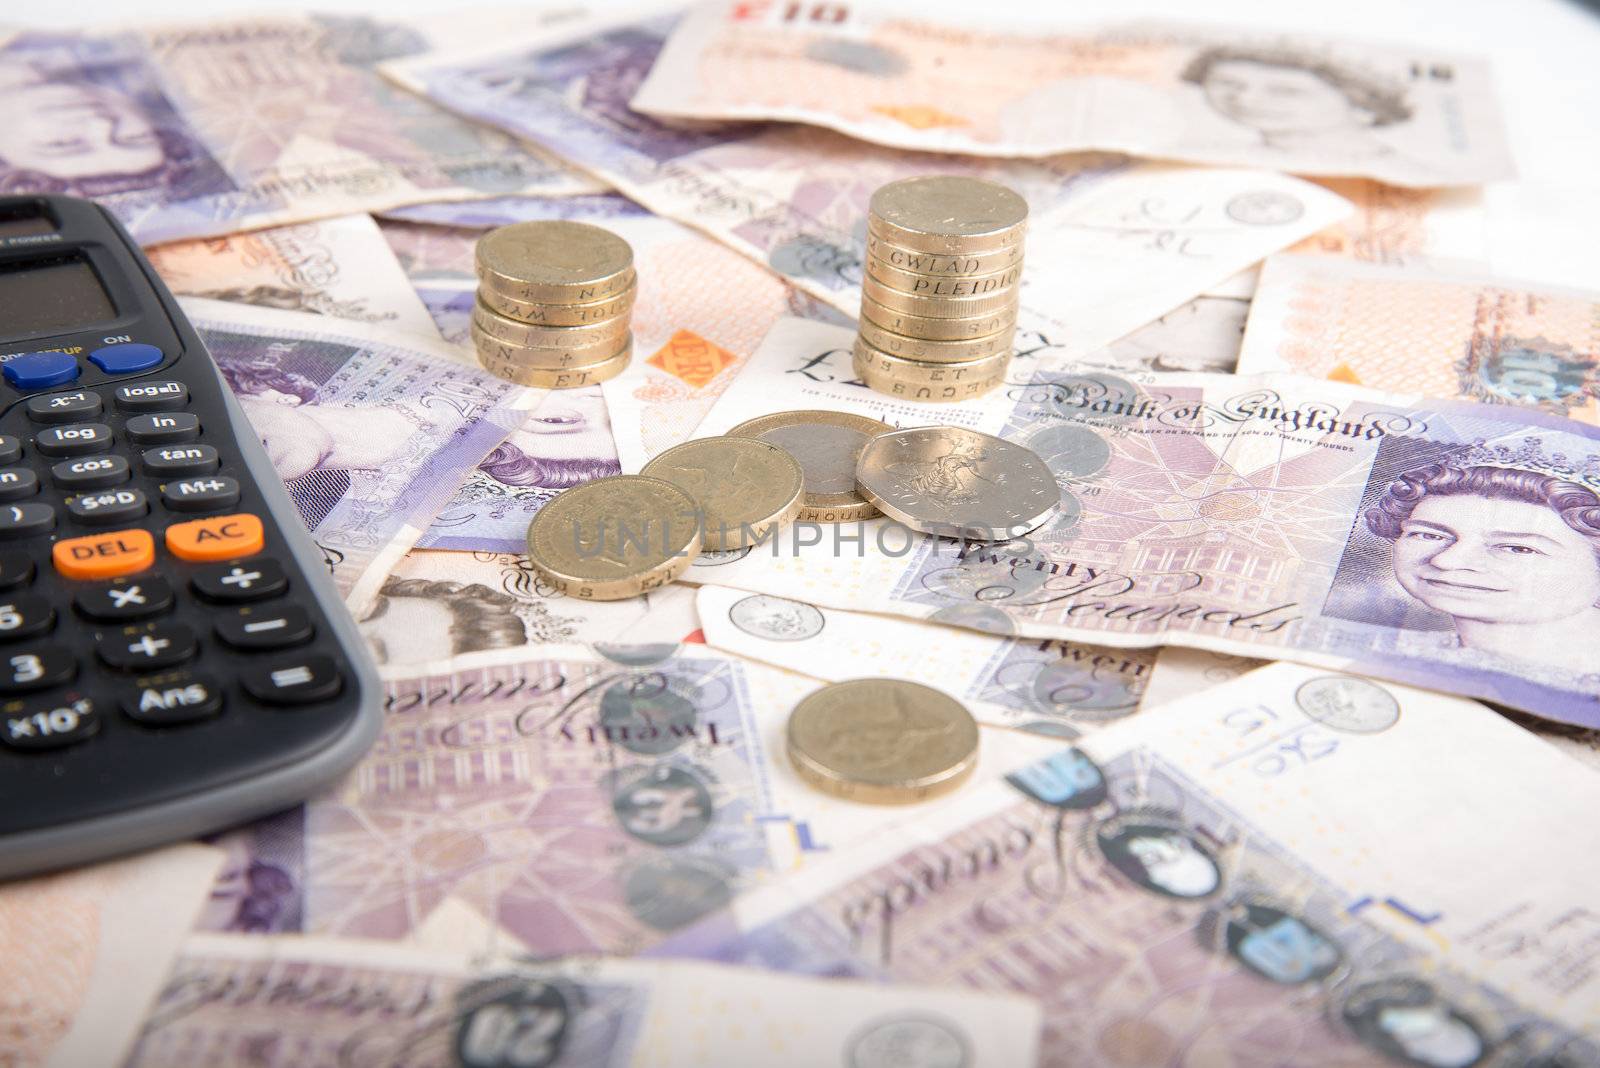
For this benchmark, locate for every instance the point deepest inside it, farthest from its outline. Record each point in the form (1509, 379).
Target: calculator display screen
(56, 295)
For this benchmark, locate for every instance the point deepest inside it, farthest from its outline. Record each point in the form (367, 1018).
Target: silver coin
(951, 480)
(1346, 703)
(776, 619)
(909, 1041)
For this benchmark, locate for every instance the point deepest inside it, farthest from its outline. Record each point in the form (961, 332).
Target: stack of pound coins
(939, 297)
(555, 300)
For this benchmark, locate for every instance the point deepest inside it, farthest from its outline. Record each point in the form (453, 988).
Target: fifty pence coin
(948, 213)
(827, 445)
(950, 480)
(615, 537)
(744, 487)
(554, 261)
(883, 741)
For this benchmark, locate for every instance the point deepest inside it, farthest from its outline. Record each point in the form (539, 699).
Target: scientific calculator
(174, 658)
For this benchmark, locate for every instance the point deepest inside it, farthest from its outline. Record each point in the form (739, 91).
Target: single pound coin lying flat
(827, 445)
(615, 537)
(744, 487)
(957, 482)
(883, 741)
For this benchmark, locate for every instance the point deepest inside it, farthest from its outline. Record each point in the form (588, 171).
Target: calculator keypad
(129, 619)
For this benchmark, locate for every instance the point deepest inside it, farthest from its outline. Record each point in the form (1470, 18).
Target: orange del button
(221, 537)
(102, 556)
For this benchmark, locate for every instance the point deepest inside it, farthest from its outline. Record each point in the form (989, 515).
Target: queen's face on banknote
(1160, 858)
(71, 130)
(1295, 101)
(1509, 555)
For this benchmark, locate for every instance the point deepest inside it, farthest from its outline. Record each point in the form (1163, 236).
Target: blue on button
(126, 358)
(40, 370)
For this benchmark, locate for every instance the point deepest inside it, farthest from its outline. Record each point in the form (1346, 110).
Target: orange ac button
(103, 556)
(221, 537)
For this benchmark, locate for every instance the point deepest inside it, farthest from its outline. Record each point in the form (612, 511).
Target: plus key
(155, 645)
(249, 580)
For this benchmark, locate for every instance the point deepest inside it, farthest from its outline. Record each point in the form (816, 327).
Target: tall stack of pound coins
(939, 296)
(555, 301)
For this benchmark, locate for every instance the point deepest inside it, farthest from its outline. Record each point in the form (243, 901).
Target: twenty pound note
(370, 430)
(199, 129)
(235, 1002)
(1434, 541)
(1203, 94)
(1280, 872)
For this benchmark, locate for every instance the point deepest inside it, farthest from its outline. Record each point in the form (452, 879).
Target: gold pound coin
(948, 213)
(593, 338)
(492, 355)
(904, 370)
(945, 265)
(932, 383)
(615, 537)
(590, 313)
(554, 261)
(938, 328)
(827, 445)
(745, 487)
(939, 307)
(915, 284)
(882, 741)
(916, 348)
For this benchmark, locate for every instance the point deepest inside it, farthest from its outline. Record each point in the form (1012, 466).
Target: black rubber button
(72, 407)
(25, 615)
(108, 506)
(253, 580)
(152, 396)
(256, 629)
(171, 698)
(128, 600)
(176, 461)
(10, 449)
(16, 569)
(163, 429)
(204, 494)
(153, 645)
(21, 520)
(49, 724)
(17, 483)
(79, 439)
(38, 668)
(294, 682)
(93, 472)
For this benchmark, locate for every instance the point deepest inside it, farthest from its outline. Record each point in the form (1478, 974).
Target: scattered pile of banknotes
(1263, 342)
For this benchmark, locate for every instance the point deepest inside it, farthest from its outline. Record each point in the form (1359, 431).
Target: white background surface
(1545, 54)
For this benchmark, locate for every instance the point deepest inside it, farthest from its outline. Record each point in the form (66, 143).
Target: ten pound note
(1434, 541)
(1445, 334)
(1200, 94)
